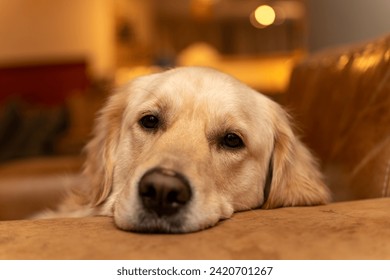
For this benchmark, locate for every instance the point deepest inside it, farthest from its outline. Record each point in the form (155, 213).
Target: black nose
(164, 192)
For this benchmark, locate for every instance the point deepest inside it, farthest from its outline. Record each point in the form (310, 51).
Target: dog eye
(232, 141)
(149, 122)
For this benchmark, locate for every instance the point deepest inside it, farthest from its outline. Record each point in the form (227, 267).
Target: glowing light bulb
(265, 15)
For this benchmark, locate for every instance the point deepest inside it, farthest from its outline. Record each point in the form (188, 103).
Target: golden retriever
(180, 150)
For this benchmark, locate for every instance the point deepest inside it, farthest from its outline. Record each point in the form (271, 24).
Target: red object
(46, 84)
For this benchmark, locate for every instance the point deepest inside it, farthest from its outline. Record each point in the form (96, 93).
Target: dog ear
(100, 152)
(296, 179)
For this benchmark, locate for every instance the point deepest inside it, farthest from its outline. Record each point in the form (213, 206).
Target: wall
(337, 22)
(35, 30)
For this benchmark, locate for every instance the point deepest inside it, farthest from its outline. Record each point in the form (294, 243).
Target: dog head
(180, 150)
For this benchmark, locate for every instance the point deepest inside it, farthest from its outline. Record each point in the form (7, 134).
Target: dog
(181, 150)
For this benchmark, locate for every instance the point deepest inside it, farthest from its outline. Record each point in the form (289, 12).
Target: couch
(340, 100)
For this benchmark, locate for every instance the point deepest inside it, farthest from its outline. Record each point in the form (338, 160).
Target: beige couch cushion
(347, 230)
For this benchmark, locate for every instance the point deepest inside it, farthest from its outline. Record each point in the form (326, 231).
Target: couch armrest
(31, 185)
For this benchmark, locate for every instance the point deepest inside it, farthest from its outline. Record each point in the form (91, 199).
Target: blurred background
(60, 59)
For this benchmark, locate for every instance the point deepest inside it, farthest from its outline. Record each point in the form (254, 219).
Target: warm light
(265, 15)
(199, 54)
(202, 9)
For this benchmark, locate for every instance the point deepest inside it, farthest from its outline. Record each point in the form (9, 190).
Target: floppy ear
(100, 152)
(296, 179)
